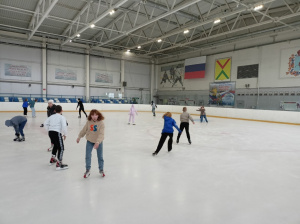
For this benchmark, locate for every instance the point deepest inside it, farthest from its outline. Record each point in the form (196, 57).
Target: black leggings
(58, 147)
(162, 141)
(25, 110)
(81, 109)
(184, 125)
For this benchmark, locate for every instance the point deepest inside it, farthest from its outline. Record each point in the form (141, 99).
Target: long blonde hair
(168, 114)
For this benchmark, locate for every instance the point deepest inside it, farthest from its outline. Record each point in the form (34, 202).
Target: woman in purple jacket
(167, 131)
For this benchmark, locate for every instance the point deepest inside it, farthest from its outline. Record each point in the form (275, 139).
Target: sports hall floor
(235, 172)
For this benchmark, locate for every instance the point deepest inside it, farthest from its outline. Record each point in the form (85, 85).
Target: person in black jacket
(81, 108)
(50, 111)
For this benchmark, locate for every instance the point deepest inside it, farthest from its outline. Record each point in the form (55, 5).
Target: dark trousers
(81, 109)
(25, 110)
(162, 141)
(58, 147)
(21, 128)
(184, 125)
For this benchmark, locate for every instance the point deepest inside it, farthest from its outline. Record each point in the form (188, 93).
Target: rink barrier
(270, 116)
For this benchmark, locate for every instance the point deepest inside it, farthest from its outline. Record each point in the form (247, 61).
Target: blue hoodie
(25, 104)
(168, 126)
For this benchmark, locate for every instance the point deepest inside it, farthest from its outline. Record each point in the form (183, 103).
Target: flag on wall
(223, 69)
(195, 68)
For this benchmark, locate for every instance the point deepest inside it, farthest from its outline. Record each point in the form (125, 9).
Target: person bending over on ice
(18, 122)
(167, 131)
(132, 113)
(81, 108)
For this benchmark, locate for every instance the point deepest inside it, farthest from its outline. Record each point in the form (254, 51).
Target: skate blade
(59, 168)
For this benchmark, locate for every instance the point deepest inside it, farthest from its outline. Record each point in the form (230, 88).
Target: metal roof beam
(36, 21)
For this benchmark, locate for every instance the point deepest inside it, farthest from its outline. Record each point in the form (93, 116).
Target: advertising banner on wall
(103, 77)
(17, 70)
(172, 75)
(223, 69)
(65, 74)
(290, 63)
(222, 94)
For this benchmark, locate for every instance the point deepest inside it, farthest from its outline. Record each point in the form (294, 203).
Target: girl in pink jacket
(132, 113)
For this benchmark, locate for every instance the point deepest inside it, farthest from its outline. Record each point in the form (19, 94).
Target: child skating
(56, 125)
(184, 124)
(94, 133)
(18, 123)
(132, 113)
(167, 131)
(202, 114)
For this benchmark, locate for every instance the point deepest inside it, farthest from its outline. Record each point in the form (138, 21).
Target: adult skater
(50, 109)
(18, 122)
(56, 125)
(153, 107)
(167, 131)
(25, 106)
(32, 104)
(81, 108)
(184, 124)
(202, 114)
(94, 132)
(132, 113)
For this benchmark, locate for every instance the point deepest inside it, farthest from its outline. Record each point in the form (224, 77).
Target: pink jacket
(132, 110)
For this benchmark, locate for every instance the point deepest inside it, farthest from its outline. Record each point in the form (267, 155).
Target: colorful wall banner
(222, 94)
(195, 68)
(290, 63)
(17, 70)
(104, 78)
(65, 74)
(223, 69)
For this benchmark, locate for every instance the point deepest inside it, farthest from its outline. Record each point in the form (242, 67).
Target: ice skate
(17, 138)
(22, 139)
(133, 124)
(190, 142)
(60, 166)
(86, 174)
(52, 161)
(79, 116)
(102, 173)
(154, 154)
(129, 123)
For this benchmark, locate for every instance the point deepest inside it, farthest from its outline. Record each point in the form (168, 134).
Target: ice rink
(235, 172)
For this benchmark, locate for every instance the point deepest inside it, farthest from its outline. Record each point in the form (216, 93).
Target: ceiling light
(78, 35)
(128, 51)
(139, 47)
(217, 21)
(92, 25)
(186, 31)
(112, 12)
(70, 40)
(159, 40)
(258, 7)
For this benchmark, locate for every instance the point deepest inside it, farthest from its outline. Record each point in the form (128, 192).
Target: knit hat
(8, 123)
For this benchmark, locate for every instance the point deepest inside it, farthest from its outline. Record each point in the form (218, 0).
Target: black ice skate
(22, 139)
(17, 138)
(60, 166)
(52, 161)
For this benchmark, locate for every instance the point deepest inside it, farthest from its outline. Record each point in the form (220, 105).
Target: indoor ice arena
(150, 111)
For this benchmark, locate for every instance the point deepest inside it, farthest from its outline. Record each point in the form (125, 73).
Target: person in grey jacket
(18, 122)
(184, 124)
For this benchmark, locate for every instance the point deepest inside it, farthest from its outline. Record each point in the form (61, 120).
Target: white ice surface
(235, 172)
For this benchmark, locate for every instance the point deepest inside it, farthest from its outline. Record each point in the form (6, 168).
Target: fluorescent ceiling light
(112, 12)
(258, 7)
(128, 50)
(78, 35)
(92, 25)
(159, 40)
(217, 21)
(186, 31)
(139, 47)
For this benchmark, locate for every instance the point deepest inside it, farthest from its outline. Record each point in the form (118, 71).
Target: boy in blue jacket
(167, 131)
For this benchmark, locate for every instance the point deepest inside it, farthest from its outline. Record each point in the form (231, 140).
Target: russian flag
(195, 68)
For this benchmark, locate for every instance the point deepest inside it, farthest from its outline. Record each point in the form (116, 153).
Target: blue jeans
(21, 127)
(88, 155)
(33, 111)
(153, 111)
(201, 118)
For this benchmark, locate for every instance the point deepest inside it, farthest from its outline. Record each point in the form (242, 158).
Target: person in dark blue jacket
(167, 131)
(25, 105)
